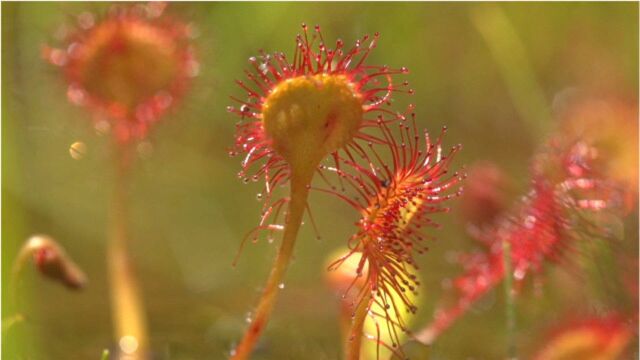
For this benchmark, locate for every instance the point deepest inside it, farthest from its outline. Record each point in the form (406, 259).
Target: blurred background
(490, 72)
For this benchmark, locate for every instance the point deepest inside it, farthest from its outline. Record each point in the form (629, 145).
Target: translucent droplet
(58, 57)
(86, 20)
(77, 150)
(248, 318)
(264, 69)
(76, 95)
(482, 281)
(73, 48)
(164, 99)
(62, 32)
(102, 127)
(155, 9)
(193, 68)
(530, 222)
(128, 344)
(144, 113)
(281, 286)
(259, 196)
(192, 31)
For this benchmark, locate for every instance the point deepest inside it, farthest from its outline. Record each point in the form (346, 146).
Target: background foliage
(493, 83)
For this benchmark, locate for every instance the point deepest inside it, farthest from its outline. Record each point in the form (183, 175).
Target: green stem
(14, 284)
(518, 73)
(10, 321)
(129, 319)
(296, 209)
(105, 355)
(354, 342)
(345, 322)
(509, 300)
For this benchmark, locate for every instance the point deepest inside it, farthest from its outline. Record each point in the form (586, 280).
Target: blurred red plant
(610, 127)
(571, 199)
(485, 193)
(590, 338)
(128, 67)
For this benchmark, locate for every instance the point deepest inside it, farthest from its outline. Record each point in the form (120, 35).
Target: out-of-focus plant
(52, 261)
(485, 194)
(105, 355)
(128, 68)
(610, 126)
(586, 338)
(302, 111)
(573, 198)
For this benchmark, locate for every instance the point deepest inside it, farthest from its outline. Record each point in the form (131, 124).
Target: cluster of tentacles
(397, 190)
(569, 201)
(394, 176)
(374, 84)
(128, 67)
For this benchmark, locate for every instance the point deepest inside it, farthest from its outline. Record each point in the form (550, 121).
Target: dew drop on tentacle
(86, 20)
(76, 95)
(128, 344)
(77, 150)
(102, 127)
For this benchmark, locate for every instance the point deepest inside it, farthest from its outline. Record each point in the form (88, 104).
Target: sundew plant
(373, 181)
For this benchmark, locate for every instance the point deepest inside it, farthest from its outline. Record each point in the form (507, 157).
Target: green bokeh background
(490, 72)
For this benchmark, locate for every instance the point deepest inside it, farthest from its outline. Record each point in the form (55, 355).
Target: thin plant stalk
(14, 283)
(514, 65)
(354, 341)
(296, 209)
(346, 316)
(18, 317)
(128, 314)
(105, 355)
(509, 300)
(10, 321)
(53, 262)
